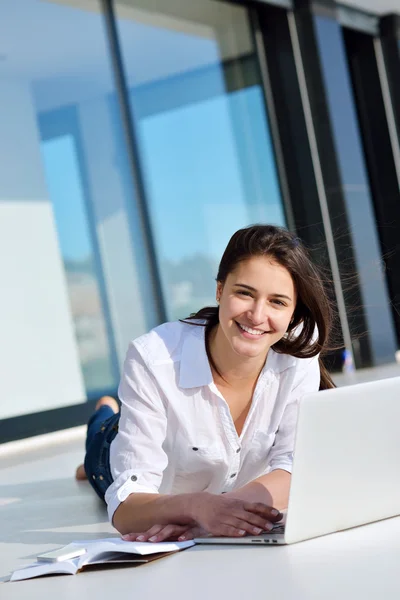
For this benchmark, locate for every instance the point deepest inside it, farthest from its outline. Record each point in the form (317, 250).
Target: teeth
(249, 330)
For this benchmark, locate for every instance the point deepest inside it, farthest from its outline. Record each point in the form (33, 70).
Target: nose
(258, 313)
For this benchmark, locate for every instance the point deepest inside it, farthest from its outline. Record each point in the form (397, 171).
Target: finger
(243, 524)
(130, 537)
(192, 533)
(268, 512)
(229, 531)
(253, 521)
(146, 535)
(168, 532)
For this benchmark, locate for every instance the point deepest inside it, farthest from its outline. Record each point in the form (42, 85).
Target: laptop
(346, 464)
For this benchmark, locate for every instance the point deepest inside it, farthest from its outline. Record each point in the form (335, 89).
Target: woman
(209, 404)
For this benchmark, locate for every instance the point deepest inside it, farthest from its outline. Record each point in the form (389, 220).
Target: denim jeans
(102, 429)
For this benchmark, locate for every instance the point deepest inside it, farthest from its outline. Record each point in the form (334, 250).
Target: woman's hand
(216, 515)
(162, 533)
(232, 517)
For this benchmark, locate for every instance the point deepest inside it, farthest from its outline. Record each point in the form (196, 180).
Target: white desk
(363, 563)
(42, 507)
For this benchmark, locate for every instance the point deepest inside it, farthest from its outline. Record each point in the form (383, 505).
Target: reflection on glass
(204, 139)
(356, 188)
(74, 272)
(66, 194)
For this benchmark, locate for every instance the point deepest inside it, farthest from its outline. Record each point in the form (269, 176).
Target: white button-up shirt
(176, 433)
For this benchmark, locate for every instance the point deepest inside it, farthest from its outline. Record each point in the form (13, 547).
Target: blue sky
(209, 169)
(65, 190)
(209, 166)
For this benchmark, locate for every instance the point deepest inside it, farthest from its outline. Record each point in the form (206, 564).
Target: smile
(255, 332)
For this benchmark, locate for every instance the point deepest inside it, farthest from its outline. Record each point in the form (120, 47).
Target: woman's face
(257, 302)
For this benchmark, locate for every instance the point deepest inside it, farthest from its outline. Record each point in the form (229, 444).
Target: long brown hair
(308, 331)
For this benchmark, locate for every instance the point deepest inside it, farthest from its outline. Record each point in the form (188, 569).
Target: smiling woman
(209, 404)
(257, 302)
(267, 282)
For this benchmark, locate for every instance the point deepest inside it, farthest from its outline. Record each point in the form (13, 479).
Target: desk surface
(42, 507)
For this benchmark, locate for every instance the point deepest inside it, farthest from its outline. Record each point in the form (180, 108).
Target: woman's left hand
(162, 533)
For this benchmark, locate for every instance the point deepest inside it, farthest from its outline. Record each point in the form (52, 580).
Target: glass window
(75, 278)
(64, 184)
(356, 188)
(204, 139)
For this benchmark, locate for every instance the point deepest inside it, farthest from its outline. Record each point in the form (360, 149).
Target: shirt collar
(195, 370)
(278, 362)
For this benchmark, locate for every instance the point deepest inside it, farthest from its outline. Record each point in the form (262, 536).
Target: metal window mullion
(133, 152)
(320, 185)
(272, 117)
(391, 120)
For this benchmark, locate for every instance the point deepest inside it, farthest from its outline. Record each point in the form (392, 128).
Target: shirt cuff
(284, 462)
(284, 467)
(115, 497)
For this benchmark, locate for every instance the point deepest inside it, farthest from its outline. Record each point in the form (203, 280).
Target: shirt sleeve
(137, 458)
(306, 380)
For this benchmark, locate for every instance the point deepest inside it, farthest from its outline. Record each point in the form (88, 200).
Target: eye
(278, 302)
(244, 293)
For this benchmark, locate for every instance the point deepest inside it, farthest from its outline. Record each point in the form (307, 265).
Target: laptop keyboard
(277, 529)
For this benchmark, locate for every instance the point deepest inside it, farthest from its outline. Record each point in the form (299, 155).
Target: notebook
(100, 552)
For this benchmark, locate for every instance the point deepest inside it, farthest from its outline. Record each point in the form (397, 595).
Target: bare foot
(80, 474)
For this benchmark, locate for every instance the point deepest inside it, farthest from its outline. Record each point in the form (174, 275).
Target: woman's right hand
(162, 533)
(222, 515)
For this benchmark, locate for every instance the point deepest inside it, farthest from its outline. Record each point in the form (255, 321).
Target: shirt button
(195, 449)
(233, 475)
(133, 478)
(238, 450)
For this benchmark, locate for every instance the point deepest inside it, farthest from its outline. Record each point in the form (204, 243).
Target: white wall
(39, 360)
